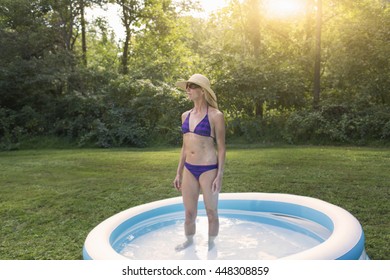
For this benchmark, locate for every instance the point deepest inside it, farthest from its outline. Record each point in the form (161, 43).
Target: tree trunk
(317, 61)
(125, 55)
(67, 21)
(129, 12)
(254, 19)
(83, 35)
(259, 111)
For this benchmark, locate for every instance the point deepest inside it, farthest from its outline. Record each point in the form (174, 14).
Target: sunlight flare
(283, 8)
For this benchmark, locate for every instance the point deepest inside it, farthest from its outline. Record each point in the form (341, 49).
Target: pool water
(243, 235)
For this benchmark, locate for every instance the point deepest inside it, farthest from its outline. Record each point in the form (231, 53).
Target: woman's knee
(190, 216)
(212, 214)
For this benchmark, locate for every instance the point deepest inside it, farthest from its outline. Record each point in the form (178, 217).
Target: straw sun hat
(202, 81)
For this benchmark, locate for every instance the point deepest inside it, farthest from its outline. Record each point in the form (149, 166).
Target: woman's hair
(210, 100)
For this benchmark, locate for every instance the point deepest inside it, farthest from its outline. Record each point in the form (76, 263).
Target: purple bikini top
(203, 128)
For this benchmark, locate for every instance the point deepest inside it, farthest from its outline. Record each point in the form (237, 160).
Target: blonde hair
(210, 99)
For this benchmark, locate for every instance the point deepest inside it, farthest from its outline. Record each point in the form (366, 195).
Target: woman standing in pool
(202, 157)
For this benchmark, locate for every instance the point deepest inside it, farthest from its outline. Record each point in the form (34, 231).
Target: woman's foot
(211, 242)
(186, 244)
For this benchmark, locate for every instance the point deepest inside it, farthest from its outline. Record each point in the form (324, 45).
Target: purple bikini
(203, 128)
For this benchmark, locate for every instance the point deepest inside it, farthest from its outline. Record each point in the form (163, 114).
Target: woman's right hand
(177, 182)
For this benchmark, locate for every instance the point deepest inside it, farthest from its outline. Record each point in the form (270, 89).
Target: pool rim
(345, 242)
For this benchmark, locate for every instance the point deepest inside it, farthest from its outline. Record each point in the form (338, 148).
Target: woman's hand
(177, 182)
(217, 184)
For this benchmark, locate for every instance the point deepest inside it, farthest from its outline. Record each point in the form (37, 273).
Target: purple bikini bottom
(198, 170)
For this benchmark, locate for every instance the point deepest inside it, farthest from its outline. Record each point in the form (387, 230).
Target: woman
(202, 157)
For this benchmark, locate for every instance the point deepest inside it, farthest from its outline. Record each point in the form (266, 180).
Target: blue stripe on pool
(276, 207)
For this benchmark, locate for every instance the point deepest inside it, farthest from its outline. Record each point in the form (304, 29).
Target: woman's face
(194, 91)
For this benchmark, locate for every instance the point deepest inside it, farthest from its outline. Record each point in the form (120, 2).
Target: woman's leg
(190, 193)
(211, 204)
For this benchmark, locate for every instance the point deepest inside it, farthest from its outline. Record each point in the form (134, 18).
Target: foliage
(158, 52)
(55, 84)
(339, 124)
(136, 113)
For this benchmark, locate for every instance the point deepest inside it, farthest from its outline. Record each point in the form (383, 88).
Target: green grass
(51, 199)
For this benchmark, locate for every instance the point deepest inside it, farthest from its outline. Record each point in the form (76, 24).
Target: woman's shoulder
(214, 112)
(216, 116)
(185, 114)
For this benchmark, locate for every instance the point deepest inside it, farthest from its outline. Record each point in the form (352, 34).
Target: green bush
(257, 129)
(10, 132)
(386, 131)
(338, 124)
(132, 113)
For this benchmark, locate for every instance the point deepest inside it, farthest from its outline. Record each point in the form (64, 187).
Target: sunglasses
(192, 86)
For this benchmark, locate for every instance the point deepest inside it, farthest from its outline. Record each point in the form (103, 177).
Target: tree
(261, 68)
(69, 17)
(83, 31)
(159, 48)
(131, 10)
(317, 59)
(31, 53)
(253, 26)
(358, 62)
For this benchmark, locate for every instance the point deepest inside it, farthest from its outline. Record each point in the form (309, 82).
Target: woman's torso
(198, 139)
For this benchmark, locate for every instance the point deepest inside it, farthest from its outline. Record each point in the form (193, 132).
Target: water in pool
(255, 236)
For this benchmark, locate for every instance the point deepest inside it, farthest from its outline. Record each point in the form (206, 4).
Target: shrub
(338, 124)
(10, 132)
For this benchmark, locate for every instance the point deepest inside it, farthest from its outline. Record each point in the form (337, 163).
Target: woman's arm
(221, 150)
(179, 172)
(180, 167)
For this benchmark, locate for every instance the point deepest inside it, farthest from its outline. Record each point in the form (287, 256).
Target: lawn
(51, 199)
